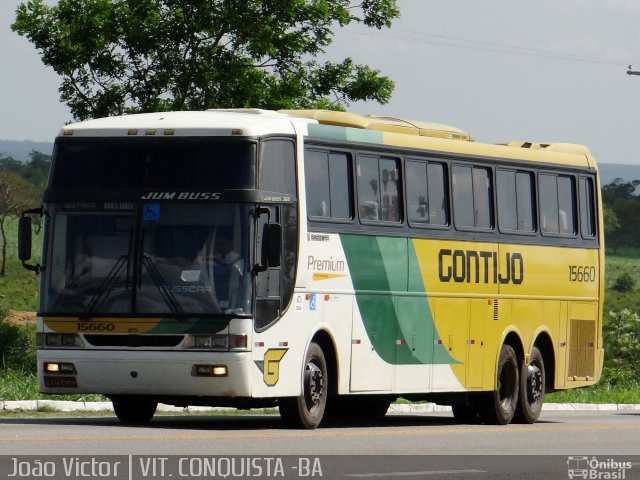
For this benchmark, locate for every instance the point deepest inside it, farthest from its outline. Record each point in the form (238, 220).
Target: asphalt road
(442, 448)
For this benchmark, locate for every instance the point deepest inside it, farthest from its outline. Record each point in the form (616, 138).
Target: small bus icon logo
(578, 467)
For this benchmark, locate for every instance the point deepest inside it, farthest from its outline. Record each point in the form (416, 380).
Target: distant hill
(20, 149)
(610, 171)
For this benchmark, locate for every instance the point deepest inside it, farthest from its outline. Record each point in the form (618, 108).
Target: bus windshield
(148, 259)
(169, 162)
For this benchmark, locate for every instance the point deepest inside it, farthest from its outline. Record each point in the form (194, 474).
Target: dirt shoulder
(22, 318)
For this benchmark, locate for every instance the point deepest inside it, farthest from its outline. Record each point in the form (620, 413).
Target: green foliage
(35, 172)
(624, 283)
(19, 287)
(17, 345)
(21, 187)
(21, 385)
(620, 332)
(122, 56)
(621, 219)
(617, 385)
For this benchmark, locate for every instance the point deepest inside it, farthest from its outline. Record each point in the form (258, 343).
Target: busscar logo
(270, 365)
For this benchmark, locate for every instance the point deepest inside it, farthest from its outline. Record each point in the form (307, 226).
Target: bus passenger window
(558, 204)
(316, 168)
(328, 184)
(567, 205)
(378, 188)
(472, 197)
(389, 175)
(368, 187)
(515, 201)
(587, 208)
(426, 193)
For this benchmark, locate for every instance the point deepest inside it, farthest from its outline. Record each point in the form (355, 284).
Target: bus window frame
(466, 228)
(388, 155)
(556, 174)
(534, 200)
(447, 193)
(594, 204)
(350, 154)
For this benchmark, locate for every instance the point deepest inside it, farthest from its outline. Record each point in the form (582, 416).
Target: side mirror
(25, 238)
(271, 250)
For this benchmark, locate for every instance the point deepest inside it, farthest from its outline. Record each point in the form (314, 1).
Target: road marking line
(318, 433)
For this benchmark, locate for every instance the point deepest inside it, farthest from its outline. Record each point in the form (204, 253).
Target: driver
(223, 251)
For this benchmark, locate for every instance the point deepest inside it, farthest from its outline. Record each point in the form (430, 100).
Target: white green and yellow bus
(323, 262)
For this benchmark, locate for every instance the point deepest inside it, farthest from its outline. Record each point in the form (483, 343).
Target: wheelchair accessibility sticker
(151, 212)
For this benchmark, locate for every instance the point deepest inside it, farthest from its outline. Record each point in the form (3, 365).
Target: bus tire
(307, 410)
(499, 406)
(134, 410)
(532, 384)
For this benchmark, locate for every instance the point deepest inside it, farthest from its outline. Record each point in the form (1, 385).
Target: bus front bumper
(155, 373)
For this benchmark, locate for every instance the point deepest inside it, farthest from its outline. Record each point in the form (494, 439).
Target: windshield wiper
(105, 288)
(166, 294)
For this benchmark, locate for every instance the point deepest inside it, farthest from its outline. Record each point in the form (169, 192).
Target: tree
(36, 170)
(611, 226)
(122, 56)
(621, 219)
(15, 196)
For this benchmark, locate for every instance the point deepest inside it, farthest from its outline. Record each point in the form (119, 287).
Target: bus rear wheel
(532, 384)
(134, 410)
(307, 410)
(499, 406)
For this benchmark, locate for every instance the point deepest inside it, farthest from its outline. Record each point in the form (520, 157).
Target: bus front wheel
(134, 410)
(500, 405)
(307, 410)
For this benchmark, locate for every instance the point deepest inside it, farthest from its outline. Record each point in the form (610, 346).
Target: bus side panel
(481, 315)
(393, 330)
(452, 318)
(369, 371)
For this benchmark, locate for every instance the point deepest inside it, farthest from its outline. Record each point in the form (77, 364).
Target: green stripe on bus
(333, 132)
(392, 301)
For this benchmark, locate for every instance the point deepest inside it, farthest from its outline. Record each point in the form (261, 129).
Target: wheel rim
(535, 383)
(313, 385)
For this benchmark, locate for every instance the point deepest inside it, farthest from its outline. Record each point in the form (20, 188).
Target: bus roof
(240, 122)
(329, 124)
(386, 124)
(436, 137)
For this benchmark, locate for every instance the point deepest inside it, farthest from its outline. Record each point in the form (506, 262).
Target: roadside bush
(620, 333)
(624, 283)
(620, 378)
(17, 345)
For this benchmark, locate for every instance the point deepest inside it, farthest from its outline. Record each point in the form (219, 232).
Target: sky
(543, 71)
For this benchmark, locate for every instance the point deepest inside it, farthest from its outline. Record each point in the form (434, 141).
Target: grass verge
(19, 385)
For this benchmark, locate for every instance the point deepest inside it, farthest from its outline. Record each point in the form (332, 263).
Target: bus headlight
(60, 368)
(212, 342)
(223, 343)
(59, 340)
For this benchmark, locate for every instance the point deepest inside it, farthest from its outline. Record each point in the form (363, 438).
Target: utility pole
(632, 72)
